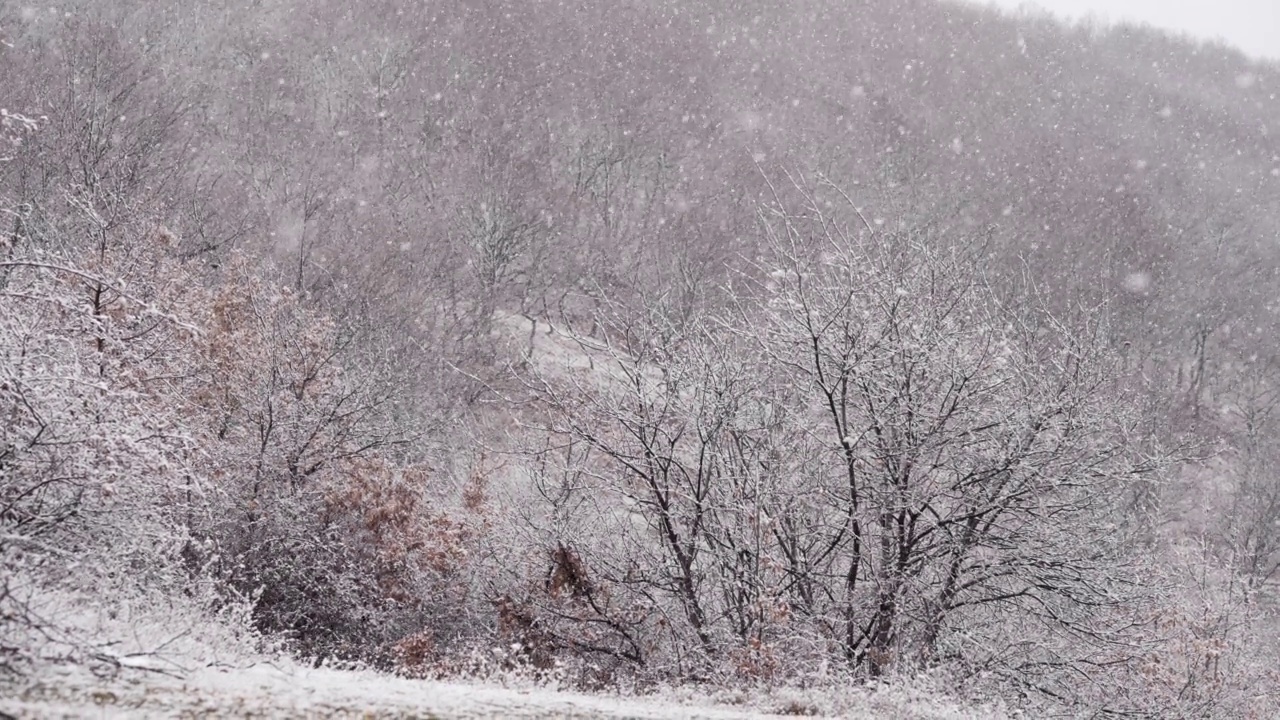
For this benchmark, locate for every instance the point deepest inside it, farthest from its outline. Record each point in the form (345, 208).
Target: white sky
(1251, 25)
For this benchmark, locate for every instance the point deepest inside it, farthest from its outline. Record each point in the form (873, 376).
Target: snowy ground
(268, 691)
(145, 656)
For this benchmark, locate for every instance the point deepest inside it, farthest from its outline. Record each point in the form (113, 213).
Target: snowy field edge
(269, 691)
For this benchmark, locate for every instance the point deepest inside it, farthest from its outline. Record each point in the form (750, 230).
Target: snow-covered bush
(93, 456)
(158, 435)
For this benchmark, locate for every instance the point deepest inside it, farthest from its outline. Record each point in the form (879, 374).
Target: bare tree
(872, 441)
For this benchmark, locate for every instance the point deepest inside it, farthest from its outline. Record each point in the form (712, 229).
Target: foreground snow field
(160, 659)
(266, 691)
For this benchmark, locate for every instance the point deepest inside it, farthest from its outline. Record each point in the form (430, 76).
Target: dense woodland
(723, 342)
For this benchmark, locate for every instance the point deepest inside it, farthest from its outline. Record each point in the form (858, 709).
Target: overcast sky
(1251, 25)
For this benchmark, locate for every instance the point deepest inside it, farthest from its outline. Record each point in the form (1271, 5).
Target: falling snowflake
(1137, 282)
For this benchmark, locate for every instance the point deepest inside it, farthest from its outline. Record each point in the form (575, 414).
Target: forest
(710, 343)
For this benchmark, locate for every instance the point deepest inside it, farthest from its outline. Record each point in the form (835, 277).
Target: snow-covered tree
(872, 454)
